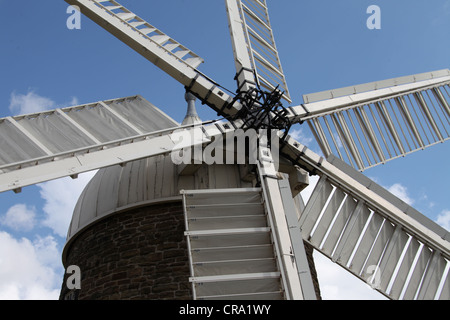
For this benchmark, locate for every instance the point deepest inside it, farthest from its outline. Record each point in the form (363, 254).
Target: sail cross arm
(330, 101)
(164, 52)
(119, 152)
(72, 165)
(365, 129)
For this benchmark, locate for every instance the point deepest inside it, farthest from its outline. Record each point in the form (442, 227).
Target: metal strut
(263, 110)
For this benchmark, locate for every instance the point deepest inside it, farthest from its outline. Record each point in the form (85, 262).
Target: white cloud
(32, 103)
(443, 219)
(29, 103)
(401, 192)
(32, 270)
(27, 269)
(300, 136)
(48, 252)
(20, 217)
(60, 199)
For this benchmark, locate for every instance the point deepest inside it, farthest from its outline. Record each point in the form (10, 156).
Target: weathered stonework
(140, 254)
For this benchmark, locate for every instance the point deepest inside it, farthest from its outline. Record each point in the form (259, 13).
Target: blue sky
(323, 45)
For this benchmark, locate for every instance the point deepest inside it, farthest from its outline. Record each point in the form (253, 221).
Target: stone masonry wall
(141, 254)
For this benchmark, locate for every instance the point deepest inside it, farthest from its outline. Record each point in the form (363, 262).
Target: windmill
(348, 218)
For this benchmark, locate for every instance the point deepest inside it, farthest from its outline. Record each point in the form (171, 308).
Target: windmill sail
(160, 49)
(254, 46)
(370, 124)
(65, 142)
(371, 233)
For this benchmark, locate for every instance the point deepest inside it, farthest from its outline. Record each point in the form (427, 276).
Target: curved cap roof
(117, 188)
